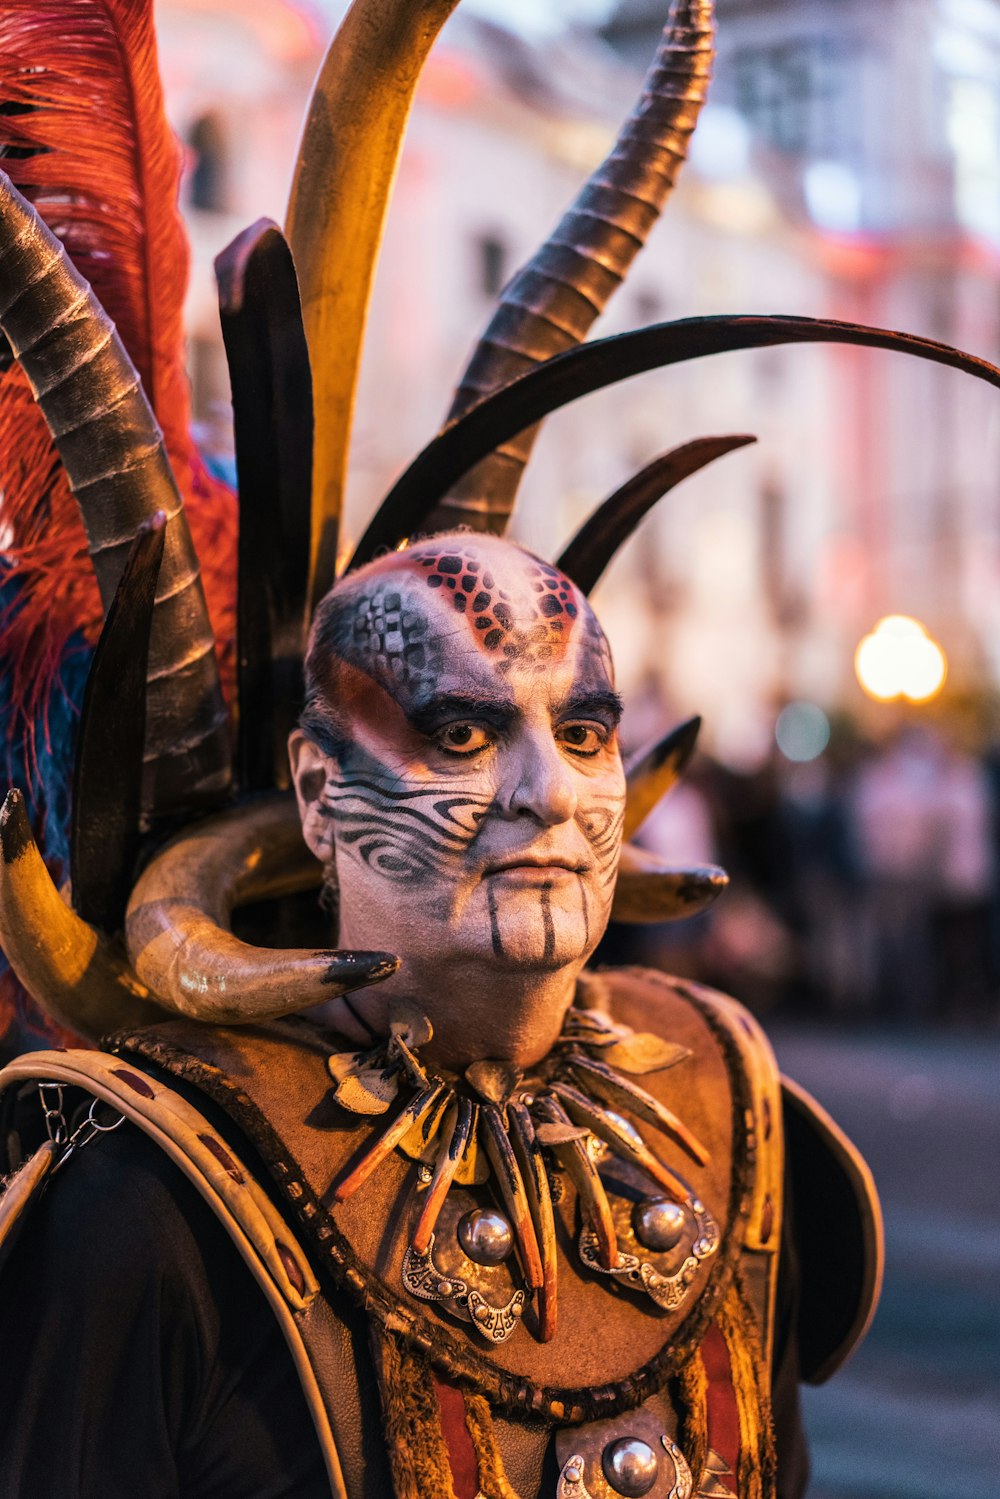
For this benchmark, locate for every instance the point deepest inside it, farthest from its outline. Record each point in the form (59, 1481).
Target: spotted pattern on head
(532, 629)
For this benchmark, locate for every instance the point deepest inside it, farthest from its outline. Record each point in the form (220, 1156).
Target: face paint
(474, 793)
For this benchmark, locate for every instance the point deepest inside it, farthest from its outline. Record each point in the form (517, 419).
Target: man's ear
(310, 771)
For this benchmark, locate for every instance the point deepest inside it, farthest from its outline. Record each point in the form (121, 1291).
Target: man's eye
(582, 738)
(462, 738)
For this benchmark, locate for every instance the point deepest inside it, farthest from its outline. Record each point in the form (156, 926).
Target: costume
(555, 1276)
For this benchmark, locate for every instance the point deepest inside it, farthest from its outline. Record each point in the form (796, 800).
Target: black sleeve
(138, 1354)
(789, 1433)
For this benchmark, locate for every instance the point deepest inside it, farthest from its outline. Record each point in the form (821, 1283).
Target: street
(916, 1413)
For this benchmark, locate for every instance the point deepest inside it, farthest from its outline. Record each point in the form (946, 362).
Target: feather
(84, 137)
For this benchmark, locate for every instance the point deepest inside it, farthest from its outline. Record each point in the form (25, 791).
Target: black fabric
(139, 1357)
(786, 1407)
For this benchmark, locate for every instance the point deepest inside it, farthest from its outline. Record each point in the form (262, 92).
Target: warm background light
(900, 660)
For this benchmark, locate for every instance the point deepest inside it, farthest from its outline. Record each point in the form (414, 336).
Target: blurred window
(491, 257)
(208, 184)
(795, 93)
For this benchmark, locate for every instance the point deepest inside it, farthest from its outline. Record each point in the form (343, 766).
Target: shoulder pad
(838, 1235)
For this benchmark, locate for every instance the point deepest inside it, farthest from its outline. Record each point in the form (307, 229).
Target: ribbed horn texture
(113, 453)
(551, 303)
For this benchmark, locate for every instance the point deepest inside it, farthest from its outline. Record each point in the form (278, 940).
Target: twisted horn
(343, 178)
(113, 453)
(654, 772)
(649, 890)
(554, 299)
(605, 362)
(77, 976)
(177, 933)
(613, 522)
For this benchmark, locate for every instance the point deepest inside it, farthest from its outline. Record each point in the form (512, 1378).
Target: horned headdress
(172, 827)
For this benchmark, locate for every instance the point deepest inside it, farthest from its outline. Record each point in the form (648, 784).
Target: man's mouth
(534, 867)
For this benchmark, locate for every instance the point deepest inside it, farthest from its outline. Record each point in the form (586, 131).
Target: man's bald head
(402, 620)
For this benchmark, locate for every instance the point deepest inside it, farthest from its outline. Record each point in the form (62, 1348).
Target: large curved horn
(113, 453)
(649, 890)
(595, 366)
(77, 976)
(177, 926)
(613, 522)
(555, 298)
(654, 772)
(340, 193)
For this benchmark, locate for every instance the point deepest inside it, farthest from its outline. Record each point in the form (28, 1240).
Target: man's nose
(538, 782)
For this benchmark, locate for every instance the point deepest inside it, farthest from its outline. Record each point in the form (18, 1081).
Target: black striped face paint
(470, 786)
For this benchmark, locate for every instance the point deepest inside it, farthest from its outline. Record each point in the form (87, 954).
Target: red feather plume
(84, 136)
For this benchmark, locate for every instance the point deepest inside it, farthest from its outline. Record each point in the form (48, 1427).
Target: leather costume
(660, 1351)
(697, 1376)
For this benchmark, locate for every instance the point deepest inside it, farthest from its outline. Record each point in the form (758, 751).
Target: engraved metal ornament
(485, 1295)
(573, 1477)
(571, 1483)
(668, 1289)
(683, 1481)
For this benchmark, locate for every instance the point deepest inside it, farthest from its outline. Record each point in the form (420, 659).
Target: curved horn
(595, 366)
(74, 974)
(113, 453)
(649, 890)
(343, 179)
(177, 928)
(554, 299)
(655, 771)
(613, 522)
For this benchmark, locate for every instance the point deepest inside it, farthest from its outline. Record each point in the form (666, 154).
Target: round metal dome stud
(486, 1236)
(630, 1466)
(658, 1222)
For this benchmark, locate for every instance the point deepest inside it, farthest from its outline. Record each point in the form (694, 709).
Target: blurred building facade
(832, 176)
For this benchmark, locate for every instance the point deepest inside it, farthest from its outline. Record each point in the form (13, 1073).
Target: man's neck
(477, 1010)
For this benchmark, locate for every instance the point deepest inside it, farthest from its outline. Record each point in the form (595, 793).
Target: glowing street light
(900, 660)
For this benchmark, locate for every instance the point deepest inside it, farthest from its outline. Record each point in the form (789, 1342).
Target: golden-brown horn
(649, 890)
(340, 193)
(177, 925)
(75, 975)
(654, 773)
(112, 450)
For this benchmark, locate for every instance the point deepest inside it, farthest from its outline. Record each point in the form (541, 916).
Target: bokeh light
(802, 731)
(900, 660)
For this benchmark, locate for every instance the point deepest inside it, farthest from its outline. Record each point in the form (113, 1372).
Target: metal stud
(658, 1222)
(630, 1466)
(486, 1236)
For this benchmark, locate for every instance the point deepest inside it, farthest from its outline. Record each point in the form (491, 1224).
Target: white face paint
(468, 781)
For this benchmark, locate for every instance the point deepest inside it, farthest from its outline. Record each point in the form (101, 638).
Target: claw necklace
(514, 1132)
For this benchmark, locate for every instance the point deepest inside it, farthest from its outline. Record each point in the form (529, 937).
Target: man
(484, 1221)
(458, 776)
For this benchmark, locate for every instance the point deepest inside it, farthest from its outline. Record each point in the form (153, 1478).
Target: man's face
(474, 797)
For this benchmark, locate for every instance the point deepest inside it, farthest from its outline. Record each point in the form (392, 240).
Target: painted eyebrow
(428, 716)
(606, 705)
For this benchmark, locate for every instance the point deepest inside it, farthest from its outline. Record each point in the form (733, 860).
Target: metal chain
(58, 1130)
